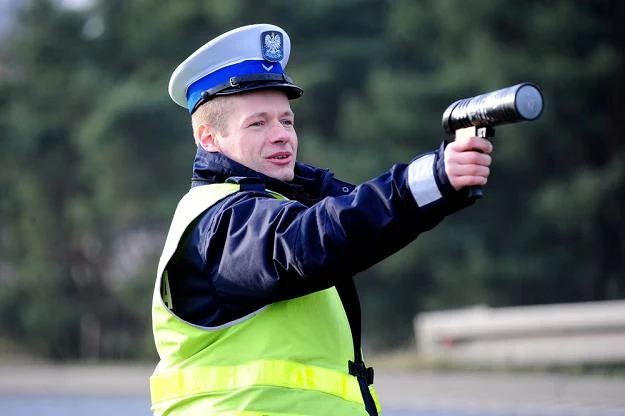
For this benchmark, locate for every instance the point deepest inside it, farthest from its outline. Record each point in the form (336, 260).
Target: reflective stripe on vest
(276, 373)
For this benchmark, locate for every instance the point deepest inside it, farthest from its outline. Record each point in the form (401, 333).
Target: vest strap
(188, 382)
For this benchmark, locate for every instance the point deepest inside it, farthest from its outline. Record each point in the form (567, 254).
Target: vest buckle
(360, 370)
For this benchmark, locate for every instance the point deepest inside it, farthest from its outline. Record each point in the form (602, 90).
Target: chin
(284, 176)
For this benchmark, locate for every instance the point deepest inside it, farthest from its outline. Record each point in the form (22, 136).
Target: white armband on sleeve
(421, 180)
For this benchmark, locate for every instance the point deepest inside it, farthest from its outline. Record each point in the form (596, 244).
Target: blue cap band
(223, 75)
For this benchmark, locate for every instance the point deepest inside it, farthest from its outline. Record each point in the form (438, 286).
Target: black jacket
(251, 249)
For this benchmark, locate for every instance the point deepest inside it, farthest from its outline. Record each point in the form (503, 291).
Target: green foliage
(93, 153)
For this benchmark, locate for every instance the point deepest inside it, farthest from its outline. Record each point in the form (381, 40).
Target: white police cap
(247, 58)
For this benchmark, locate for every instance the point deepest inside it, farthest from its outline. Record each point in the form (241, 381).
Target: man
(255, 311)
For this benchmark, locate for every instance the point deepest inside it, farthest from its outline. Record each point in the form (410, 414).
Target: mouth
(280, 157)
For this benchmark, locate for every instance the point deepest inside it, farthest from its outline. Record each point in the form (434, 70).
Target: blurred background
(94, 157)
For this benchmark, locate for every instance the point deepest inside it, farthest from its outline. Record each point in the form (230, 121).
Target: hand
(467, 161)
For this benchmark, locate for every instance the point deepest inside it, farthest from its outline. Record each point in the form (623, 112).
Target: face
(260, 133)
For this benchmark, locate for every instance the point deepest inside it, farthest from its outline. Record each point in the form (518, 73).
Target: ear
(207, 138)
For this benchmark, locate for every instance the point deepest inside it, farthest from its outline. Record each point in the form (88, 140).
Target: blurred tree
(94, 155)
(548, 229)
(89, 147)
(53, 277)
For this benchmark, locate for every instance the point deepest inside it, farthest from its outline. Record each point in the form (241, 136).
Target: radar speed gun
(477, 116)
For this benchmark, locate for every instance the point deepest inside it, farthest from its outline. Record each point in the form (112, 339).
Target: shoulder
(250, 196)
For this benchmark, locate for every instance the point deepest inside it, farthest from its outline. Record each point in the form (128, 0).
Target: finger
(467, 170)
(472, 143)
(469, 158)
(460, 182)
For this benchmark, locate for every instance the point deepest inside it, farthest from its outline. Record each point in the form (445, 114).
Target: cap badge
(272, 46)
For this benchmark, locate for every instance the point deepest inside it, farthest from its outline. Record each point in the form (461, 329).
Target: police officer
(255, 310)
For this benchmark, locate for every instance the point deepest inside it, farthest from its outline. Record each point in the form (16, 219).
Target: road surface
(434, 392)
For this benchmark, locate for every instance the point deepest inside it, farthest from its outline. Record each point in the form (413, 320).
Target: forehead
(261, 101)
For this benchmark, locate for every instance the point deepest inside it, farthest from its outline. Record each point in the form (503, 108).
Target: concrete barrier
(558, 334)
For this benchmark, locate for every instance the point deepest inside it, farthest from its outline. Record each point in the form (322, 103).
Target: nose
(280, 133)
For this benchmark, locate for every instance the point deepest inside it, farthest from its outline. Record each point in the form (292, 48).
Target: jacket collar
(309, 185)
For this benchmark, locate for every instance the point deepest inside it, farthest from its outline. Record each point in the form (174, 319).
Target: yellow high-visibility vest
(288, 358)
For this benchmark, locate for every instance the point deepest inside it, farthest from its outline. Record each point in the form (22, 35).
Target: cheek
(295, 141)
(250, 149)
(232, 149)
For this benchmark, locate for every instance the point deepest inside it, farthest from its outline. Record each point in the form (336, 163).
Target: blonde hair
(215, 113)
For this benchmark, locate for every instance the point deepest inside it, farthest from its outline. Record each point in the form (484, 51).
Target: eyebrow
(264, 114)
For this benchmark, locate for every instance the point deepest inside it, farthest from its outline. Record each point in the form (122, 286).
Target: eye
(257, 124)
(287, 122)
